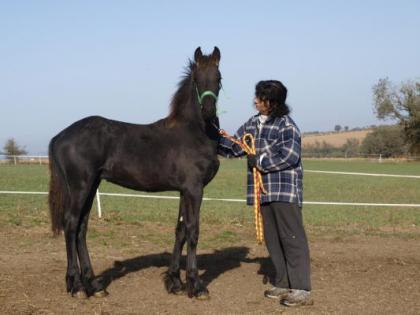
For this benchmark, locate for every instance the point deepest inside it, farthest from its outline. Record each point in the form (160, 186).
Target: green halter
(204, 94)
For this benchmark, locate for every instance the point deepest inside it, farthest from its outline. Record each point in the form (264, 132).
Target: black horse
(177, 153)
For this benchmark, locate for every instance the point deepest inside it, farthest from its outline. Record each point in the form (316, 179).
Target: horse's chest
(207, 169)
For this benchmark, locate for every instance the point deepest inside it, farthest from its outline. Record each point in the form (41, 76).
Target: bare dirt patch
(351, 275)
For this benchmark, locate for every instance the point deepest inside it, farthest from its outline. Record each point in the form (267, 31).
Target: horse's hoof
(174, 285)
(178, 292)
(203, 296)
(100, 294)
(80, 295)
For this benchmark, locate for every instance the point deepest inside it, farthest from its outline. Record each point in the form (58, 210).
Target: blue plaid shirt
(277, 143)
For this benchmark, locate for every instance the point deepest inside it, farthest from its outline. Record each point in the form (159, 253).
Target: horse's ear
(215, 56)
(198, 55)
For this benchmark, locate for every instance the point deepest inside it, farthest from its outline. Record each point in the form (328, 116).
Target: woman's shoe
(297, 298)
(276, 293)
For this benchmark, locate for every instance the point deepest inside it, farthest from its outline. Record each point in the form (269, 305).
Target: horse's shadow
(215, 264)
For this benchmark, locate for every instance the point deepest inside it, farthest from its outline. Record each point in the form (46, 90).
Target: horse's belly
(143, 185)
(140, 178)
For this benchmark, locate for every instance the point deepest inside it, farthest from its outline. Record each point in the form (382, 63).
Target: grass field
(32, 210)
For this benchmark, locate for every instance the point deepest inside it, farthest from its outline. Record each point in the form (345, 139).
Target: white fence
(44, 159)
(332, 203)
(344, 155)
(24, 159)
(364, 204)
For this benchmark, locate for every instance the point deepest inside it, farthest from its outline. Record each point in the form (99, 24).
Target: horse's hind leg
(173, 281)
(71, 227)
(93, 286)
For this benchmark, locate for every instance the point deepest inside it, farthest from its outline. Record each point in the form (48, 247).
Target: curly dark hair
(275, 93)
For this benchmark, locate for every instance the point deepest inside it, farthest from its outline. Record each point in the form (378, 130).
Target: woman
(278, 158)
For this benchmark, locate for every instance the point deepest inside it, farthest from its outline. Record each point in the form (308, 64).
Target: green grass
(28, 210)
(365, 166)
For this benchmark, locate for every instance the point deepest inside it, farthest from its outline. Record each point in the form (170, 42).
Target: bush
(323, 149)
(385, 140)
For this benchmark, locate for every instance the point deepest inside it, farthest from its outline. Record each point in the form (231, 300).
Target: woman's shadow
(215, 264)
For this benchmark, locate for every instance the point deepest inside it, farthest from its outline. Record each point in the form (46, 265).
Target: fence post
(98, 200)
(380, 158)
(14, 159)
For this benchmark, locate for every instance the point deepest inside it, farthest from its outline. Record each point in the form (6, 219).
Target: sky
(61, 61)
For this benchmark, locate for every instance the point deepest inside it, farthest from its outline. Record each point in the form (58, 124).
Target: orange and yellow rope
(258, 183)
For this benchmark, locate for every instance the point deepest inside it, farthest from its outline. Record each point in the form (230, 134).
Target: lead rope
(258, 183)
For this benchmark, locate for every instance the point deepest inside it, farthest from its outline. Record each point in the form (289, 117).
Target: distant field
(336, 139)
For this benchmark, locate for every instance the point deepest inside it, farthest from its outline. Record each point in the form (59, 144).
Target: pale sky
(62, 61)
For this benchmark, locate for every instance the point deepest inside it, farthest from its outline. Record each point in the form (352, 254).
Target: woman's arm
(228, 148)
(284, 153)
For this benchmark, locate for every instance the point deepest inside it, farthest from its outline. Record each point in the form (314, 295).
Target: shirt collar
(262, 118)
(269, 118)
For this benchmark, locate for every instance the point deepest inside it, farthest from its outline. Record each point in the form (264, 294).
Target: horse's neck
(212, 134)
(187, 108)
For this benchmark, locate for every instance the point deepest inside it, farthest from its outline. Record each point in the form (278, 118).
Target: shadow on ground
(214, 264)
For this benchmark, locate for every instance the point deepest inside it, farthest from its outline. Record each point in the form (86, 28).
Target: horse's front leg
(71, 226)
(173, 281)
(195, 286)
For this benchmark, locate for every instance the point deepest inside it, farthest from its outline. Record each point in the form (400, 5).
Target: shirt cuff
(260, 161)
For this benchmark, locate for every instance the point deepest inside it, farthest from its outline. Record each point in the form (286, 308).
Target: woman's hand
(252, 160)
(223, 133)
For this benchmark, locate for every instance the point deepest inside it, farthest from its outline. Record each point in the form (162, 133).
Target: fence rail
(23, 159)
(98, 194)
(333, 203)
(43, 159)
(346, 155)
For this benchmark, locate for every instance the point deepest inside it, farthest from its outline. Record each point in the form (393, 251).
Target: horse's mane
(179, 108)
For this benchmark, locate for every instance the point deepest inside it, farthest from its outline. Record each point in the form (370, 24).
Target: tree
(12, 148)
(346, 128)
(337, 128)
(400, 103)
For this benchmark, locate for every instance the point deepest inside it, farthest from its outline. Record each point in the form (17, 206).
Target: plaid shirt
(277, 143)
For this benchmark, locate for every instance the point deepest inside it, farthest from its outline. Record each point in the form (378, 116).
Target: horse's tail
(58, 191)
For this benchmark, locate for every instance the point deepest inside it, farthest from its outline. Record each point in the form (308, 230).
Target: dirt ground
(350, 275)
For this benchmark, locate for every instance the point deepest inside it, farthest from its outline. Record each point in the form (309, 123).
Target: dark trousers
(287, 245)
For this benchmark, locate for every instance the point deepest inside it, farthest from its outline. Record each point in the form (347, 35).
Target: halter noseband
(204, 94)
